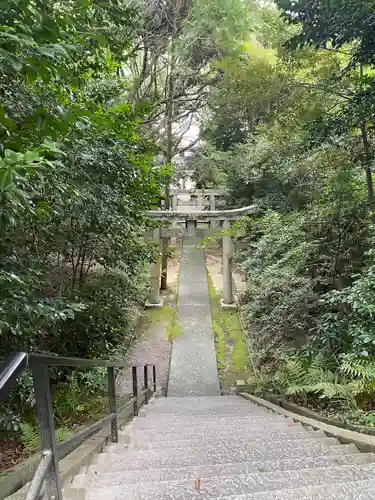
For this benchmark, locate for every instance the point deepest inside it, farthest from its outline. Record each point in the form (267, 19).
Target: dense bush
(76, 175)
(292, 131)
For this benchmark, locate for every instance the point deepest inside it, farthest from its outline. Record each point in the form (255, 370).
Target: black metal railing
(48, 469)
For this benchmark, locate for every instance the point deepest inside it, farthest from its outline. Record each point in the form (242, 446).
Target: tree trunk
(367, 161)
(170, 116)
(368, 170)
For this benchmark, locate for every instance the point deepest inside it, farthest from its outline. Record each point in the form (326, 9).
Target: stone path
(193, 370)
(151, 348)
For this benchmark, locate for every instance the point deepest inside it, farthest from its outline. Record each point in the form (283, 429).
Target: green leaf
(47, 51)
(31, 156)
(6, 177)
(11, 156)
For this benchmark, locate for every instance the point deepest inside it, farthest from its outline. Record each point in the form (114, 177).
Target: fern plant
(30, 436)
(361, 371)
(302, 378)
(359, 368)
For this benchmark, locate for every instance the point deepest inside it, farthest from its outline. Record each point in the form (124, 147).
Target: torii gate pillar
(226, 216)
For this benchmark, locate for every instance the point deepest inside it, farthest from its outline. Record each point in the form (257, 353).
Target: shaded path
(193, 370)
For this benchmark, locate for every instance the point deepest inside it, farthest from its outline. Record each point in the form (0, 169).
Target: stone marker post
(227, 302)
(191, 226)
(213, 223)
(212, 202)
(155, 300)
(174, 221)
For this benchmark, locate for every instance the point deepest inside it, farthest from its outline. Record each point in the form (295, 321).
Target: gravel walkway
(151, 348)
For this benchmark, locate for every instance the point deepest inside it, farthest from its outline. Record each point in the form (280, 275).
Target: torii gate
(213, 217)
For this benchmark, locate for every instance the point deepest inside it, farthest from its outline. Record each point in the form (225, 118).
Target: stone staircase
(223, 447)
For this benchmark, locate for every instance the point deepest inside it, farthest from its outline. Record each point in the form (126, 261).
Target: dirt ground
(153, 345)
(215, 268)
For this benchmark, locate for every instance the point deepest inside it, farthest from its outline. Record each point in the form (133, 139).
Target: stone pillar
(212, 202)
(213, 223)
(174, 221)
(228, 301)
(191, 227)
(154, 299)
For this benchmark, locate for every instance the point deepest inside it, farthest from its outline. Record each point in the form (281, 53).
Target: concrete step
(240, 403)
(219, 398)
(145, 435)
(163, 423)
(205, 412)
(150, 459)
(240, 443)
(218, 470)
(215, 410)
(356, 490)
(199, 402)
(219, 487)
(186, 427)
(171, 441)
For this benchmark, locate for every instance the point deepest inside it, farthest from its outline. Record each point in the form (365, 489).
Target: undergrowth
(342, 388)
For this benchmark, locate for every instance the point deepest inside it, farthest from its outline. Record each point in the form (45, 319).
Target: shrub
(112, 298)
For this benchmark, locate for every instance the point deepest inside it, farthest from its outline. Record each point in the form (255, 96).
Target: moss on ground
(231, 349)
(174, 328)
(161, 315)
(164, 316)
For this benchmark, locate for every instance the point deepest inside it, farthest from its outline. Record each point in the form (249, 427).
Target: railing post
(112, 403)
(135, 389)
(154, 377)
(145, 376)
(46, 426)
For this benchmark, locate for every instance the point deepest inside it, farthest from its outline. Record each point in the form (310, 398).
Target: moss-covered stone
(231, 349)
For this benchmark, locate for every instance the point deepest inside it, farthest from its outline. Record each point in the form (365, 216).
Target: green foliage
(290, 128)
(303, 378)
(76, 176)
(80, 396)
(359, 417)
(348, 22)
(348, 324)
(109, 315)
(30, 437)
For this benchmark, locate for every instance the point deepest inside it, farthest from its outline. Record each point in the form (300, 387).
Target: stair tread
(356, 490)
(293, 432)
(239, 450)
(210, 421)
(249, 443)
(164, 429)
(207, 470)
(172, 458)
(217, 487)
(238, 437)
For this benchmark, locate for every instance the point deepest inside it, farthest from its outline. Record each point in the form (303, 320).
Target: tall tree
(344, 27)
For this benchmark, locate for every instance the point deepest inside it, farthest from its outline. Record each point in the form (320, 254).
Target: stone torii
(225, 217)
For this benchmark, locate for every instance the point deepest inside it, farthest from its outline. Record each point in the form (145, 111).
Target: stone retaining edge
(68, 466)
(364, 442)
(307, 412)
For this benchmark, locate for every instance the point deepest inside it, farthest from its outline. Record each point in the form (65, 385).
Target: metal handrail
(16, 363)
(48, 470)
(9, 371)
